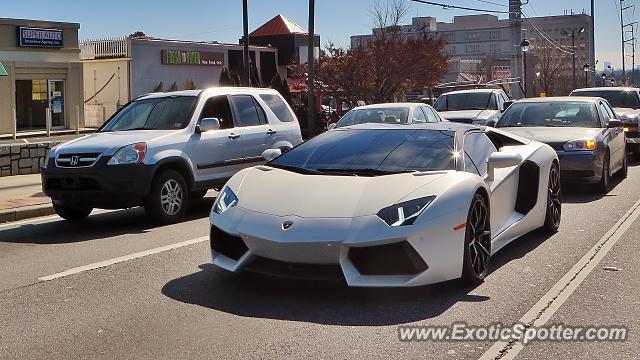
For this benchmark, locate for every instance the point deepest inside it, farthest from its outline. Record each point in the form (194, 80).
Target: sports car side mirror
(271, 154)
(499, 160)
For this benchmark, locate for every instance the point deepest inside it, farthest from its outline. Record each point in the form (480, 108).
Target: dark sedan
(584, 131)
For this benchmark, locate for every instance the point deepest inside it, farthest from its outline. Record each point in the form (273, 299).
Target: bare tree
(387, 15)
(550, 63)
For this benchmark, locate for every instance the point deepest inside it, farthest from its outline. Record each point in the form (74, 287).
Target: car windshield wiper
(360, 171)
(295, 169)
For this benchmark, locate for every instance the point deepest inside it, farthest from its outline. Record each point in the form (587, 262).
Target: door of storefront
(33, 98)
(56, 103)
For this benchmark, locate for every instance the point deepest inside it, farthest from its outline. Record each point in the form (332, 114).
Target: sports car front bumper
(364, 251)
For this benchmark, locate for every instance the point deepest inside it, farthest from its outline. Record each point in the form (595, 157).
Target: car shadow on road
(586, 193)
(96, 226)
(317, 302)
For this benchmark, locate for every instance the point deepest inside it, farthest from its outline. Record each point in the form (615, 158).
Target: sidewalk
(21, 197)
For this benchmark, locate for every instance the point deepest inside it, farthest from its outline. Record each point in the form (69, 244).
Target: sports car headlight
(580, 144)
(130, 154)
(404, 213)
(226, 199)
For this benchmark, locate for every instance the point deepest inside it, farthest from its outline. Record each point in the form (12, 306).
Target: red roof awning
(279, 25)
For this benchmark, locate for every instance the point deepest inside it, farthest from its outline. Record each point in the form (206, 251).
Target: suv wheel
(72, 213)
(169, 197)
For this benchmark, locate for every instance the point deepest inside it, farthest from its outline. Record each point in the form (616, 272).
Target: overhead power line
(492, 3)
(447, 6)
(545, 36)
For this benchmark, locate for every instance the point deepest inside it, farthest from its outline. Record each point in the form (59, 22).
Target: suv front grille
(77, 160)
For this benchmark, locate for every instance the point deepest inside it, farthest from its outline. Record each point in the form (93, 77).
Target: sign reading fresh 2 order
(189, 57)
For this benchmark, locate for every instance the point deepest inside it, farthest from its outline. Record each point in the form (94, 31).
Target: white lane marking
(548, 304)
(124, 258)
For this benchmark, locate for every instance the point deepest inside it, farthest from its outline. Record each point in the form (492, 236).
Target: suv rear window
(278, 107)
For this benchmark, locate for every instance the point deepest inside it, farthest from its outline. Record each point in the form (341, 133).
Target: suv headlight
(130, 154)
(580, 144)
(226, 199)
(404, 213)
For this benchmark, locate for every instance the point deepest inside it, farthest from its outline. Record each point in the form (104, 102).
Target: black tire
(195, 195)
(477, 242)
(624, 172)
(72, 213)
(605, 180)
(169, 197)
(554, 201)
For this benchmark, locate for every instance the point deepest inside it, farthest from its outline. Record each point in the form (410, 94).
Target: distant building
(44, 76)
(480, 45)
(118, 70)
(289, 38)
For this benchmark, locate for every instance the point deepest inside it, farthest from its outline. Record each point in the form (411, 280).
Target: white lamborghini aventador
(387, 205)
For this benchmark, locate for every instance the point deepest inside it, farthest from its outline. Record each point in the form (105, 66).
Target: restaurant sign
(37, 37)
(182, 57)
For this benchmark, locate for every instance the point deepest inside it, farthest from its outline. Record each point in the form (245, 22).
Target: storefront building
(43, 86)
(118, 70)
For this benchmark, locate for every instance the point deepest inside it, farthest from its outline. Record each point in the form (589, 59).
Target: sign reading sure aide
(38, 37)
(181, 57)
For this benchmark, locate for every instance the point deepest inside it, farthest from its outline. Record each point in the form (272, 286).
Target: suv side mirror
(271, 154)
(614, 123)
(506, 105)
(208, 124)
(499, 160)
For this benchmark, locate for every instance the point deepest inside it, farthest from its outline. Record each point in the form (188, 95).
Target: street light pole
(586, 72)
(524, 46)
(311, 100)
(573, 51)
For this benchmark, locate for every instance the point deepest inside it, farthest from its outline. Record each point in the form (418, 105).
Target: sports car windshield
(617, 99)
(164, 113)
(369, 152)
(550, 114)
(389, 115)
(464, 101)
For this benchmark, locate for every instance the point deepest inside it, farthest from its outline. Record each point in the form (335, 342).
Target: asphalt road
(171, 304)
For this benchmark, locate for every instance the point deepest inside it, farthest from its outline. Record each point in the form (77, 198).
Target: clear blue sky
(221, 20)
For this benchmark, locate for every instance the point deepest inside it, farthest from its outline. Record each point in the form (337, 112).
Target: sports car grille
(328, 272)
(77, 160)
(390, 259)
(228, 245)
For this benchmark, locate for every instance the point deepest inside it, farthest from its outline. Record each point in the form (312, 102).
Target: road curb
(26, 212)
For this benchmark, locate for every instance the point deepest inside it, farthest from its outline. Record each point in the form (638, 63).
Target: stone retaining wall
(22, 159)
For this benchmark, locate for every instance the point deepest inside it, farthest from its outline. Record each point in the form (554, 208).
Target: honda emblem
(74, 160)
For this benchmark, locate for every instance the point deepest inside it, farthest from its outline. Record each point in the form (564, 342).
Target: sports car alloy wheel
(171, 197)
(477, 242)
(554, 201)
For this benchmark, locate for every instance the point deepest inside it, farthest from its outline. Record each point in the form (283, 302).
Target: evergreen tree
(159, 87)
(281, 85)
(174, 87)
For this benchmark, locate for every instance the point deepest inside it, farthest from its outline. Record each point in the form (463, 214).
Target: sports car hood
(108, 143)
(282, 193)
(551, 135)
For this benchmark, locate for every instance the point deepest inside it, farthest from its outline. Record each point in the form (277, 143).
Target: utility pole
(626, 41)
(515, 25)
(573, 54)
(311, 99)
(591, 34)
(245, 20)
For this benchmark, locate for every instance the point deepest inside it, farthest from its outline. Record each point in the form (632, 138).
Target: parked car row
(393, 195)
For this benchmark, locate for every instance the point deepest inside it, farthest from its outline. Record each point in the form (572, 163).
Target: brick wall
(22, 159)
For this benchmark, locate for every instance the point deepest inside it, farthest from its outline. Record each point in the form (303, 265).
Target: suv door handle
(271, 132)
(234, 136)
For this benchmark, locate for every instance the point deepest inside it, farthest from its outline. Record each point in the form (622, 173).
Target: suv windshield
(463, 101)
(163, 113)
(550, 114)
(617, 99)
(389, 115)
(371, 152)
